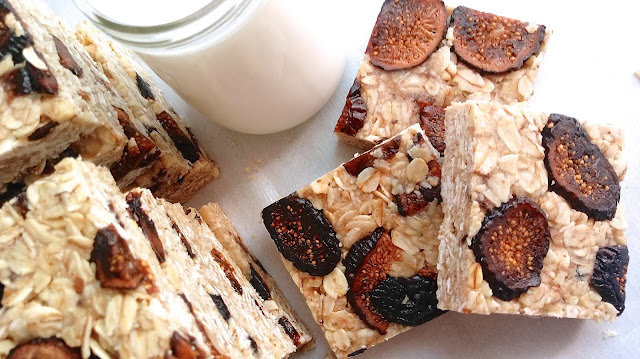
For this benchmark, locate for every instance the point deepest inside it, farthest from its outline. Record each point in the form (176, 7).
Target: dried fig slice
(373, 270)
(357, 352)
(184, 348)
(303, 235)
(228, 269)
(145, 89)
(432, 123)
(116, 267)
(185, 143)
(493, 43)
(511, 246)
(42, 131)
(387, 150)
(354, 112)
(11, 190)
(610, 275)
(42, 81)
(580, 173)
(139, 153)
(221, 306)
(414, 202)
(50, 348)
(407, 301)
(145, 223)
(359, 251)
(66, 60)
(406, 33)
(290, 330)
(259, 285)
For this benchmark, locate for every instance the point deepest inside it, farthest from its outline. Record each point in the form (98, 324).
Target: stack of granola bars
(466, 200)
(70, 94)
(97, 257)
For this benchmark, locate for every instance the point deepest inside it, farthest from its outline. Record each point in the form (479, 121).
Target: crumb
(254, 236)
(608, 333)
(247, 169)
(252, 177)
(257, 161)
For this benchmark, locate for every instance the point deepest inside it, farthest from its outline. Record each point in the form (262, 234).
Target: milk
(272, 68)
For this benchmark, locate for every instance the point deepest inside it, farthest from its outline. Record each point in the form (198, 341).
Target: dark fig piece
(258, 284)
(1, 294)
(184, 348)
(254, 345)
(185, 143)
(17, 82)
(610, 275)
(493, 43)
(290, 330)
(412, 203)
(221, 306)
(50, 348)
(406, 33)
(357, 352)
(42, 81)
(359, 251)
(140, 154)
(228, 269)
(389, 149)
(202, 330)
(22, 204)
(183, 239)
(370, 273)
(66, 60)
(511, 246)
(581, 174)
(145, 89)
(116, 268)
(303, 235)
(146, 224)
(354, 112)
(432, 123)
(407, 301)
(12, 44)
(12, 189)
(42, 131)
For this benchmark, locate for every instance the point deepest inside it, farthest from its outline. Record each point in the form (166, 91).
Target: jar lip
(170, 34)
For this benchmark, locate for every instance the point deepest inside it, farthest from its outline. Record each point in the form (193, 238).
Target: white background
(588, 73)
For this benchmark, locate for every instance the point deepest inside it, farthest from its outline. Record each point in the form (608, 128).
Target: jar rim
(215, 15)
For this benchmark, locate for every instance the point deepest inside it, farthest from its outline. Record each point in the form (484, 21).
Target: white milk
(275, 66)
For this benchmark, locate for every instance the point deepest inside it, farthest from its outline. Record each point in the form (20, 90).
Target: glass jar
(254, 66)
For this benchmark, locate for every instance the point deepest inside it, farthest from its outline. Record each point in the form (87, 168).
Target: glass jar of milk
(254, 66)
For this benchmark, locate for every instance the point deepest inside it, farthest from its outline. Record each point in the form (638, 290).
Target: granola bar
(271, 298)
(532, 222)
(170, 165)
(423, 56)
(87, 271)
(361, 242)
(183, 168)
(256, 323)
(202, 168)
(76, 267)
(42, 109)
(118, 142)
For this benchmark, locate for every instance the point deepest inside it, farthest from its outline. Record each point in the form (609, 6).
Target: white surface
(588, 73)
